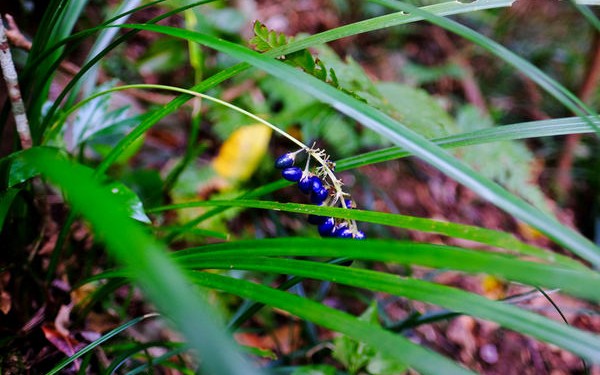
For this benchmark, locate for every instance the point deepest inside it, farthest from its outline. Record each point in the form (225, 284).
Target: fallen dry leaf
(66, 344)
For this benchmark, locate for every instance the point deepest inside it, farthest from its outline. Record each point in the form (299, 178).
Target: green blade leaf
(377, 23)
(524, 130)
(468, 232)
(572, 339)
(558, 91)
(146, 260)
(396, 346)
(401, 136)
(577, 282)
(91, 346)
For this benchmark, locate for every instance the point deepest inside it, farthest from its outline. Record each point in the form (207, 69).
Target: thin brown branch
(14, 93)
(469, 83)
(564, 180)
(17, 39)
(22, 125)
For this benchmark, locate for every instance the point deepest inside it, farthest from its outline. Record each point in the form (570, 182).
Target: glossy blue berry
(304, 184)
(326, 228)
(343, 232)
(349, 203)
(315, 184)
(319, 196)
(292, 173)
(285, 161)
(359, 235)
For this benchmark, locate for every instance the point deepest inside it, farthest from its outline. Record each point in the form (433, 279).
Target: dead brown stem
(17, 39)
(468, 81)
(14, 93)
(564, 180)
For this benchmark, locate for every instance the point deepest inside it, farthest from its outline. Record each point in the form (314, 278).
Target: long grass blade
(524, 130)
(401, 136)
(577, 341)
(88, 80)
(419, 358)
(377, 23)
(146, 260)
(91, 346)
(486, 236)
(49, 117)
(577, 282)
(550, 85)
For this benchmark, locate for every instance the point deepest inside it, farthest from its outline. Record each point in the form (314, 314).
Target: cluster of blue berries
(321, 193)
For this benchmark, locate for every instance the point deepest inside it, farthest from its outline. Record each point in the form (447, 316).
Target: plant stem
(317, 154)
(14, 93)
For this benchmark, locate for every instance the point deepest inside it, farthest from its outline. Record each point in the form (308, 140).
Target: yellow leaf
(493, 287)
(241, 153)
(529, 232)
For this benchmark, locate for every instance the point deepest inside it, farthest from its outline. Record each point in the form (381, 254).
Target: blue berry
(326, 228)
(359, 235)
(310, 183)
(292, 173)
(343, 232)
(315, 184)
(304, 184)
(349, 203)
(285, 161)
(319, 196)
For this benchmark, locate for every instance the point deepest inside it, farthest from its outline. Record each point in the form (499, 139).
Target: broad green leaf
(130, 201)
(15, 170)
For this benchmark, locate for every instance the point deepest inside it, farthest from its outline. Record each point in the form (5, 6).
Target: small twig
(22, 124)
(468, 81)
(565, 163)
(14, 93)
(14, 35)
(17, 39)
